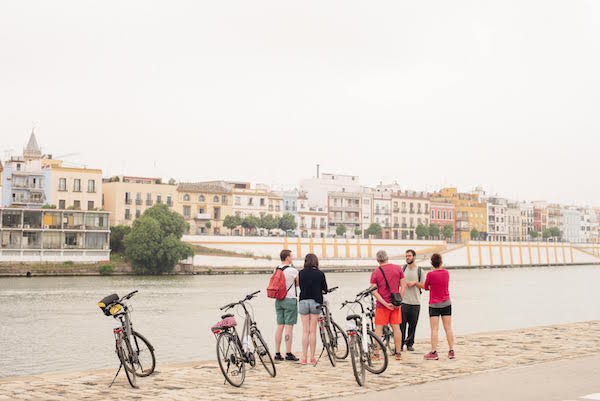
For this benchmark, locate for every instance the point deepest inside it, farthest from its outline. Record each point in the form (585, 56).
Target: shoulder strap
(419, 273)
(385, 278)
(404, 268)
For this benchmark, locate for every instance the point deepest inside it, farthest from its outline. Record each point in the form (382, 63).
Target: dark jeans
(410, 317)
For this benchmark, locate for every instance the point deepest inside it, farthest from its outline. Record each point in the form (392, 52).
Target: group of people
(305, 289)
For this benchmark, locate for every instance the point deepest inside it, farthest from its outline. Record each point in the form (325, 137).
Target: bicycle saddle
(353, 317)
(226, 316)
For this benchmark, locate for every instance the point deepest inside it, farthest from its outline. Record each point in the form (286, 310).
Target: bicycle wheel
(231, 360)
(340, 343)
(358, 360)
(261, 349)
(326, 338)
(388, 340)
(125, 357)
(146, 361)
(376, 358)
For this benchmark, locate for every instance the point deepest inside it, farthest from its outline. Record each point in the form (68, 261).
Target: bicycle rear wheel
(388, 340)
(376, 357)
(358, 360)
(261, 349)
(231, 360)
(340, 345)
(125, 355)
(146, 361)
(326, 340)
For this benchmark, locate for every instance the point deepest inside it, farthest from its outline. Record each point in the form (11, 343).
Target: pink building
(442, 214)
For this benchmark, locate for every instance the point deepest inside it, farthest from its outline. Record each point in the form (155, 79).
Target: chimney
(318, 165)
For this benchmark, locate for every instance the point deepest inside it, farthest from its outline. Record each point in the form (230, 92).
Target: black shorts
(445, 311)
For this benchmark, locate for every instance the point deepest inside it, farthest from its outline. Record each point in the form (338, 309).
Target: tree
(208, 225)
(374, 229)
(434, 231)
(546, 234)
(117, 235)
(534, 234)
(474, 234)
(232, 222)
(357, 232)
(340, 230)
(287, 222)
(250, 222)
(154, 244)
(268, 222)
(448, 232)
(555, 233)
(422, 231)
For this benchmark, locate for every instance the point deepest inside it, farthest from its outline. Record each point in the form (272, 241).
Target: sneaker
(410, 348)
(291, 357)
(278, 357)
(432, 356)
(451, 354)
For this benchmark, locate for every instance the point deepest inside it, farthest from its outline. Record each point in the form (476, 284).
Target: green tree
(546, 234)
(251, 222)
(154, 244)
(474, 234)
(555, 233)
(268, 222)
(208, 225)
(340, 230)
(434, 231)
(374, 229)
(232, 222)
(357, 232)
(534, 234)
(117, 235)
(448, 231)
(287, 222)
(422, 231)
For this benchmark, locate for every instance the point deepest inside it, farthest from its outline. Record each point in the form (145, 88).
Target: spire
(32, 150)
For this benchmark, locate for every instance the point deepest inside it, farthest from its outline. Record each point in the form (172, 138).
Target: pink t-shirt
(437, 285)
(394, 274)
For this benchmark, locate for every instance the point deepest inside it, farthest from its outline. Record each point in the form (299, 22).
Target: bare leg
(314, 319)
(305, 334)
(397, 338)
(434, 323)
(289, 332)
(447, 322)
(278, 335)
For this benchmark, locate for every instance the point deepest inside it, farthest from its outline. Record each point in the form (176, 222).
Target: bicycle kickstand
(115, 378)
(320, 355)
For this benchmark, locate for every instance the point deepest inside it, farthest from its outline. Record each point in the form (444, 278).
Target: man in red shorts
(385, 312)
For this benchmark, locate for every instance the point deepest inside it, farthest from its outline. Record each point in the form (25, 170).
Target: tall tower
(32, 151)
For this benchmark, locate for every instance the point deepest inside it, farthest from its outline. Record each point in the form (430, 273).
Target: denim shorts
(308, 306)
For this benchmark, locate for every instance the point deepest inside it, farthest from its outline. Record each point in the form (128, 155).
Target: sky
(499, 94)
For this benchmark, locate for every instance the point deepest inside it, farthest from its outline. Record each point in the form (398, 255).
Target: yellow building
(471, 211)
(75, 188)
(204, 206)
(127, 198)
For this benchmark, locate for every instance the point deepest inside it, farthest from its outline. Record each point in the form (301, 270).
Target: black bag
(107, 302)
(396, 297)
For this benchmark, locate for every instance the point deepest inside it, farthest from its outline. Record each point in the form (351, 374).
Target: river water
(52, 324)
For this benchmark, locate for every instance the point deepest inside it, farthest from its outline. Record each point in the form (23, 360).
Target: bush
(117, 235)
(107, 269)
(68, 263)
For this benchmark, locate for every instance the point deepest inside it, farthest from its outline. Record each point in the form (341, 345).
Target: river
(52, 324)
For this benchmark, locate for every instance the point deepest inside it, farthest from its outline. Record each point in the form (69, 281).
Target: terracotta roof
(202, 187)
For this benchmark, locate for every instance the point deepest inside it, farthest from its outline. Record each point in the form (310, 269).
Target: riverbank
(202, 380)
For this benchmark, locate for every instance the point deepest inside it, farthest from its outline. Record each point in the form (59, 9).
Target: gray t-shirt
(412, 295)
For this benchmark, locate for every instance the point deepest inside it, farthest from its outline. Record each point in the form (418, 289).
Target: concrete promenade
(498, 352)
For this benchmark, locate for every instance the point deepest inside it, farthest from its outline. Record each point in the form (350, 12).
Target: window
(186, 212)
(201, 198)
(76, 185)
(77, 204)
(91, 186)
(169, 201)
(262, 201)
(250, 201)
(237, 200)
(433, 214)
(90, 205)
(449, 215)
(217, 213)
(62, 184)
(127, 214)
(158, 198)
(439, 215)
(61, 204)
(224, 199)
(137, 213)
(186, 197)
(444, 215)
(201, 210)
(215, 199)
(127, 198)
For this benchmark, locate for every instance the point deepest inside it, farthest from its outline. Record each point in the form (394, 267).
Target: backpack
(277, 288)
(419, 275)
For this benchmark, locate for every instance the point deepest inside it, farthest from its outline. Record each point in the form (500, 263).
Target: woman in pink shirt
(439, 305)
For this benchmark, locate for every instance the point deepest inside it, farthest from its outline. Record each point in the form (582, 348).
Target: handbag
(396, 297)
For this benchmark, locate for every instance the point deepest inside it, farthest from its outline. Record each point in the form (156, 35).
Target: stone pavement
(203, 380)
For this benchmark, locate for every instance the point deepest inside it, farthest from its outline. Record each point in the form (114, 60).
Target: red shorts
(384, 316)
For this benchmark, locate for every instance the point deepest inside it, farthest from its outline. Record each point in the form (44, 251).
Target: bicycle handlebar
(332, 289)
(132, 293)
(366, 292)
(247, 298)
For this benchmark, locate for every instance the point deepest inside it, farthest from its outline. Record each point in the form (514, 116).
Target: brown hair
(284, 254)
(436, 260)
(412, 252)
(311, 260)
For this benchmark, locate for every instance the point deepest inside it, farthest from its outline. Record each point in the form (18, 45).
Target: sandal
(398, 357)
(302, 361)
(313, 361)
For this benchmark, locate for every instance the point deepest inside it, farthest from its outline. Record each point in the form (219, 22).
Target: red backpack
(277, 288)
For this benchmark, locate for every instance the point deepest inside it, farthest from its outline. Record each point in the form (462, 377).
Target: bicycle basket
(106, 304)
(225, 324)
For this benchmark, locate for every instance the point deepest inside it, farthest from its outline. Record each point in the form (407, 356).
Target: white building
(589, 225)
(497, 227)
(526, 220)
(571, 224)
(317, 189)
(513, 221)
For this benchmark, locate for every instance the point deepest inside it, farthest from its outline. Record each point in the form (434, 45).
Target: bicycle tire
(341, 342)
(140, 371)
(261, 349)
(357, 358)
(326, 338)
(388, 340)
(375, 343)
(226, 342)
(125, 359)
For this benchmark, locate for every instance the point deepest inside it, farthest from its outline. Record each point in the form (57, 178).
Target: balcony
(203, 216)
(128, 201)
(396, 210)
(138, 202)
(148, 202)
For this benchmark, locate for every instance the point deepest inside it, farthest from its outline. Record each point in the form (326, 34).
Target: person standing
(439, 306)
(389, 280)
(411, 303)
(312, 287)
(286, 309)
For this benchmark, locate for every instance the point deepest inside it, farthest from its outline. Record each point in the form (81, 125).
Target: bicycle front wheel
(340, 344)
(231, 360)
(125, 354)
(146, 361)
(326, 339)
(261, 349)
(358, 360)
(376, 357)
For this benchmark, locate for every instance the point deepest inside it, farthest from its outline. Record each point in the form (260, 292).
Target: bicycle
(387, 336)
(234, 350)
(139, 361)
(333, 338)
(363, 343)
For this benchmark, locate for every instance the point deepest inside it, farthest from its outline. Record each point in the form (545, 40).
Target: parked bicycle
(333, 338)
(235, 351)
(387, 336)
(365, 346)
(134, 351)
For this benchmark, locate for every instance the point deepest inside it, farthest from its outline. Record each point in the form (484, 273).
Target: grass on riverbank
(204, 250)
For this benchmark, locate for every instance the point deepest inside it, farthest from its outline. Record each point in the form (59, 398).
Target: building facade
(409, 210)
(513, 222)
(526, 220)
(317, 189)
(345, 208)
(312, 221)
(571, 224)
(470, 211)
(497, 227)
(589, 225)
(204, 206)
(443, 214)
(382, 213)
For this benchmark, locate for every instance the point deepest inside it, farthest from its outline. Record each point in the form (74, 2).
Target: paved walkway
(203, 380)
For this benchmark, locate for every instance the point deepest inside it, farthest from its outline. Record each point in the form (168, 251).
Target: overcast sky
(503, 94)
